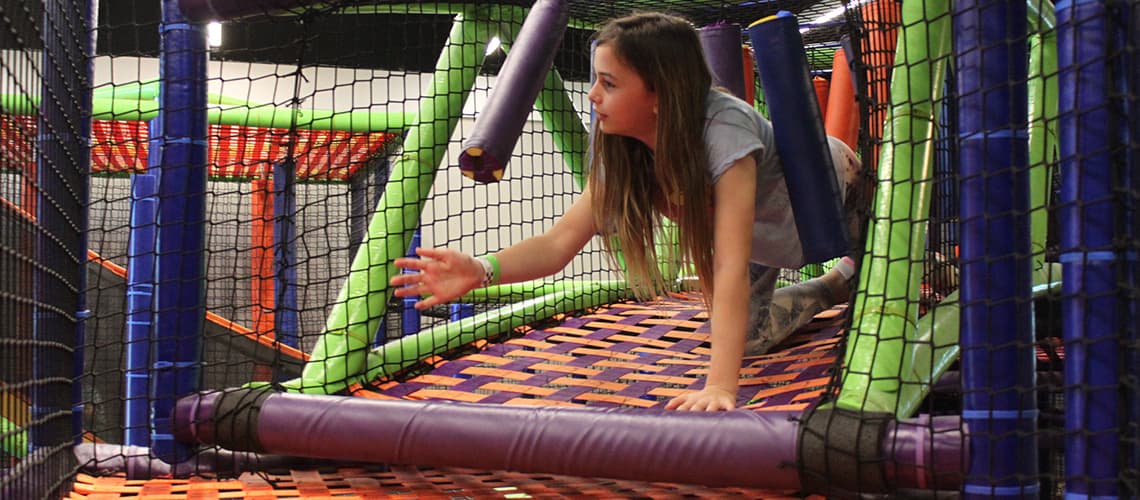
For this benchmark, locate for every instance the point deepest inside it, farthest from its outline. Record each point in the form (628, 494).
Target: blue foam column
(59, 275)
(410, 319)
(83, 33)
(457, 312)
(180, 288)
(287, 324)
(140, 302)
(999, 403)
(801, 140)
(1090, 262)
(358, 210)
(1132, 111)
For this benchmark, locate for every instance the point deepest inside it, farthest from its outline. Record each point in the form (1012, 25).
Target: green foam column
(892, 359)
(399, 354)
(355, 317)
(562, 121)
(140, 91)
(148, 91)
(516, 292)
(935, 347)
(1043, 92)
(15, 440)
(760, 102)
(886, 305)
(269, 116)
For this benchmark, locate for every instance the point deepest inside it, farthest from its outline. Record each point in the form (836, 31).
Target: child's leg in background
(856, 191)
(776, 313)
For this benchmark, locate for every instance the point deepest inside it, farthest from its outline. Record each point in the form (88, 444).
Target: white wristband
(488, 272)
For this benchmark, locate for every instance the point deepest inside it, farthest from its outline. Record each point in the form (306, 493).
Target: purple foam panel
(723, 47)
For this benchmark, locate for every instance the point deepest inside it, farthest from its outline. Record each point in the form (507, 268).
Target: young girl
(666, 144)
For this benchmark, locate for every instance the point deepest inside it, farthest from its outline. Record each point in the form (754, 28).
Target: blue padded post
(287, 323)
(140, 303)
(1089, 250)
(410, 324)
(801, 140)
(180, 268)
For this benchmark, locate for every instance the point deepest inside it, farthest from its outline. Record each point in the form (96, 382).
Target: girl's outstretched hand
(710, 398)
(444, 274)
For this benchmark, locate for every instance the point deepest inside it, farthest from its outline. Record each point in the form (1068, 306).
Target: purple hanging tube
(721, 43)
(497, 128)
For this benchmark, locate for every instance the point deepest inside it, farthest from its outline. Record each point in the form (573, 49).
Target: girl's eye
(607, 85)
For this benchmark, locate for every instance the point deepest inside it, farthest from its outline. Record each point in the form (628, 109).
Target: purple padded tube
(739, 448)
(137, 462)
(721, 43)
(926, 453)
(497, 128)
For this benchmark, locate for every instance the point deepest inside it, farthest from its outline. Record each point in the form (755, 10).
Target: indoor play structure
(196, 242)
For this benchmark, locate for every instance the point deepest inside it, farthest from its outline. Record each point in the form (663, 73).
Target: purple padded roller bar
(497, 128)
(721, 43)
(738, 448)
(137, 462)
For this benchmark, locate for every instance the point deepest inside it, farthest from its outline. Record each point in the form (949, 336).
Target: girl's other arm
(447, 274)
(735, 206)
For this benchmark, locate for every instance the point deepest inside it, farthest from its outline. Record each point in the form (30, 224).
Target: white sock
(846, 267)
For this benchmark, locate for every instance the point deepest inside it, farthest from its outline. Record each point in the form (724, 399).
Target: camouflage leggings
(775, 314)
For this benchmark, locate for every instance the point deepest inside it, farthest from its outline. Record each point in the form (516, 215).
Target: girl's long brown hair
(631, 183)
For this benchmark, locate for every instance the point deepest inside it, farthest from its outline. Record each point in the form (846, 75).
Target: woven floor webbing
(626, 354)
(404, 482)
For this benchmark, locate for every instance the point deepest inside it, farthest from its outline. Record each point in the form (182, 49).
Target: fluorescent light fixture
(831, 15)
(493, 45)
(214, 34)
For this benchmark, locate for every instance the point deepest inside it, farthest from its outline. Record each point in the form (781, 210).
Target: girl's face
(623, 104)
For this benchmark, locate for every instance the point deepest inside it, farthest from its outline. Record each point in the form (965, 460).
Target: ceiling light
(830, 15)
(214, 34)
(493, 45)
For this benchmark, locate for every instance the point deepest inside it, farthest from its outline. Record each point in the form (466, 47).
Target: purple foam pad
(188, 412)
(722, 45)
(497, 128)
(927, 452)
(137, 462)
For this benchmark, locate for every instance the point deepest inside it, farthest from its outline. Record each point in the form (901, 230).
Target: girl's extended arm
(448, 274)
(734, 202)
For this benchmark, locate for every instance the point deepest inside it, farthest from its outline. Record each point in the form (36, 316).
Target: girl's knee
(847, 165)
